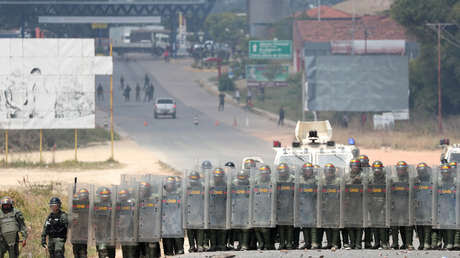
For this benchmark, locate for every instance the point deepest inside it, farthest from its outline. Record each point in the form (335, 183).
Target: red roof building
(324, 12)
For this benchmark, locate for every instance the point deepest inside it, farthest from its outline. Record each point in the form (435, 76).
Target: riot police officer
(264, 234)
(249, 164)
(309, 180)
(243, 234)
(195, 236)
(79, 225)
(406, 232)
(353, 203)
(364, 162)
(218, 236)
(333, 202)
(55, 228)
(285, 206)
(11, 223)
(125, 223)
(206, 166)
(377, 205)
(148, 208)
(102, 222)
(172, 245)
(423, 195)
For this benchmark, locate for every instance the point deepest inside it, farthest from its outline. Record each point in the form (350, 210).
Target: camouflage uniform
(11, 223)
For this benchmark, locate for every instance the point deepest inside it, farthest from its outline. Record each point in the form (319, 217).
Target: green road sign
(267, 75)
(270, 49)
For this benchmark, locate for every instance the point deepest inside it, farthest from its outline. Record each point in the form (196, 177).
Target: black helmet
(264, 169)
(401, 167)
(55, 201)
(283, 168)
(144, 189)
(307, 169)
(218, 172)
(206, 164)
(329, 169)
(249, 163)
(377, 165)
(230, 164)
(364, 160)
(194, 175)
(124, 194)
(242, 174)
(7, 204)
(104, 193)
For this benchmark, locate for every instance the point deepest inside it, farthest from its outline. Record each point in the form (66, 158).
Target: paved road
(179, 142)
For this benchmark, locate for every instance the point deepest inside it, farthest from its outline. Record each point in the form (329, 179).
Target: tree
(414, 15)
(226, 28)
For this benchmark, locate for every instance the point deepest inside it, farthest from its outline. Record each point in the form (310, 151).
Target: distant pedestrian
(100, 92)
(345, 120)
(237, 95)
(151, 92)
(221, 101)
(281, 117)
(363, 119)
(126, 92)
(122, 83)
(138, 92)
(249, 96)
(166, 56)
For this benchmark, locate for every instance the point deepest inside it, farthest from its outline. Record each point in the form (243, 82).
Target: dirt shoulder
(133, 159)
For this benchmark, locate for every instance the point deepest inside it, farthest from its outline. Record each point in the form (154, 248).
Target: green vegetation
(226, 28)
(68, 164)
(29, 140)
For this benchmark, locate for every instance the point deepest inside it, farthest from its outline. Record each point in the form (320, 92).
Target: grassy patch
(29, 140)
(68, 164)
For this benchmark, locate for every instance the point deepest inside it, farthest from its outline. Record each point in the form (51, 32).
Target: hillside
(364, 7)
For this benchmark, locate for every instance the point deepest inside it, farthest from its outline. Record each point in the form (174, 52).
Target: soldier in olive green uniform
(55, 228)
(377, 205)
(11, 223)
(285, 206)
(406, 231)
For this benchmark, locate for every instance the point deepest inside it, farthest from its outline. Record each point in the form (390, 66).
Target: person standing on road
(281, 117)
(55, 228)
(151, 92)
(138, 92)
(126, 92)
(11, 223)
(237, 95)
(122, 83)
(221, 101)
(100, 92)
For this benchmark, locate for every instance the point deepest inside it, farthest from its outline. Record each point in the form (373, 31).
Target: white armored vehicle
(313, 144)
(450, 153)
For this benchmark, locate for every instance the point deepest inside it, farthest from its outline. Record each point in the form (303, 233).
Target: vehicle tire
(174, 116)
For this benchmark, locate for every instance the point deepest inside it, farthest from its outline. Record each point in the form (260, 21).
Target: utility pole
(438, 26)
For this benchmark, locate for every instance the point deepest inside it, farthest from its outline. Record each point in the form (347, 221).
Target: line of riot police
(256, 207)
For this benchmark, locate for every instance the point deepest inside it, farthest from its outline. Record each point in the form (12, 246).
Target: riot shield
(240, 199)
(103, 215)
(149, 191)
(446, 204)
(400, 195)
(352, 213)
(329, 198)
(171, 209)
(376, 198)
(285, 184)
(80, 213)
(263, 203)
(306, 198)
(126, 223)
(217, 201)
(423, 197)
(194, 199)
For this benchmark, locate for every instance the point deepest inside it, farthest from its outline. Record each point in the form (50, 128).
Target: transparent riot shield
(217, 201)
(171, 209)
(306, 198)
(126, 223)
(240, 198)
(376, 198)
(263, 203)
(400, 196)
(285, 184)
(352, 213)
(423, 196)
(150, 191)
(80, 213)
(446, 204)
(329, 198)
(103, 215)
(194, 199)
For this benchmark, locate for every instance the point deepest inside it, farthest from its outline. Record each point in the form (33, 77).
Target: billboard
(49, 83)
(267, 75)
(374, 83)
